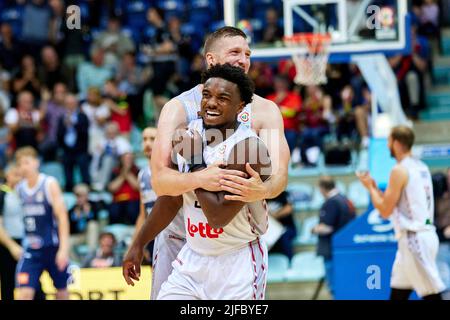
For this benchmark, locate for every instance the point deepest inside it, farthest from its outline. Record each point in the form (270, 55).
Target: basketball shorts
(415, 263)
(34, 262)
(239, 275)
(166, 248)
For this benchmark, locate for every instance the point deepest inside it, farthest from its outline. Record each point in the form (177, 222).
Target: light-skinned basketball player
(223, 257)
(46, 244)
(225, 45)
(408, 200)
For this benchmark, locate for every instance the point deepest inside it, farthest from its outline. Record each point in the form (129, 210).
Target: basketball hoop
(311, 60)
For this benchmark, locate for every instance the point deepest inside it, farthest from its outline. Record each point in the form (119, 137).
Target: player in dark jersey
(46, 244)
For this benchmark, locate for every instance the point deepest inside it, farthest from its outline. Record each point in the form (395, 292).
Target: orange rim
(314, 41)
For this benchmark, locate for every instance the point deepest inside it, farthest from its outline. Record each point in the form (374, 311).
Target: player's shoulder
(399, 172)
(260, 102)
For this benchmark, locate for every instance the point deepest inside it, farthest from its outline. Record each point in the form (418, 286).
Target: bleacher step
(432, 132)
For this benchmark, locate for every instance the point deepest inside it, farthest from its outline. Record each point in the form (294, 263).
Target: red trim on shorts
(255, 285)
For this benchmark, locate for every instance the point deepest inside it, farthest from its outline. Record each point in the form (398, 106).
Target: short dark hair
(220, 33)
(404, 135)
(233, 74)
(327, 183)
(108, 234)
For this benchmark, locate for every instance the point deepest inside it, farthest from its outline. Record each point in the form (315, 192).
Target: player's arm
(60, 212)
(140, 219)
(272, 134)
(386, 202)
(163, 212)
(218, 210)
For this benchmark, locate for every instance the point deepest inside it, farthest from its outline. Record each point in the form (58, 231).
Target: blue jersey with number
(41, 229)
(148, 196)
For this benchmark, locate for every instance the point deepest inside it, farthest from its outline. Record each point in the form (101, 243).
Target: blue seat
(69, 200)
(306, 266)
(141, 162)
(277, 267)
(54, 169)
(358, 195)
(306, 238)
(301, 194)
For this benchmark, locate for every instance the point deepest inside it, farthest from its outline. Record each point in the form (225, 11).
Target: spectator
(289, 103)
(131, 79)
(106, 156)
(52, 108)
(282, 210)
(73, 140)
(27, 79)
(262, 75)
(272, 31)
(51, 71)
(124, 186)
(24, 121)
(410, 71)
(315, 118)
(363, 118)
(57, 22)
(93, 74)
(84, 228)
(5, 101)
(10, 51)
(114, 42)
(183, 45)
(4, 141)
(35, 26)
(195, 72)
(429, 19)
(104, 257)
(11, 232)
(98, 114)
(345, 115)
(161, 51)
(335, 212)
(118, 104)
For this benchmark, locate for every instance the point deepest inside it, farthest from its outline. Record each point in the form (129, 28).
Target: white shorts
(239, 275)
(166, 248)
(415, 263)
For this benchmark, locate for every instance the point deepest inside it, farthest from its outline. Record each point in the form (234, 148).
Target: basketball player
(46, 244)
(409, 199)
(169, 242)
(223, 257)
(225, 45)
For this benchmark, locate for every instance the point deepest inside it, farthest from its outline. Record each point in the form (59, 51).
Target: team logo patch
(23, 278)
(244, 116)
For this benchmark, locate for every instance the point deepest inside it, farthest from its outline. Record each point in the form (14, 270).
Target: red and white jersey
(248, 224)
(415, 209)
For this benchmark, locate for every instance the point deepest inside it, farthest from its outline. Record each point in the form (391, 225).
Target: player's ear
(210, 59)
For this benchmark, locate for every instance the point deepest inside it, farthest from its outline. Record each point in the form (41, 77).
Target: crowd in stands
(76, 95)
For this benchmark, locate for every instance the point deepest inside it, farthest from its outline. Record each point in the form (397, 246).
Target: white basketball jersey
(415, 210)
(248, 224)
(191, 100)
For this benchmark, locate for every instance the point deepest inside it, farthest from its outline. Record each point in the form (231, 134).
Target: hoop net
(311, 60)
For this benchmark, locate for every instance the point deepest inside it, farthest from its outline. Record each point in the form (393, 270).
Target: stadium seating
(306, 266)
(69, 199)
(54, 169)
(305, 237)
(278, 266)
(301, 194)
(358, 195)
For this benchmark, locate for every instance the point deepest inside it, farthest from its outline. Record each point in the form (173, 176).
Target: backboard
(356, 26)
